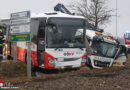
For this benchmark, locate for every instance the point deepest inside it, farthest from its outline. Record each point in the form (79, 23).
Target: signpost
(20, 37)
(20, 28)
(20, 32)
(20, 22)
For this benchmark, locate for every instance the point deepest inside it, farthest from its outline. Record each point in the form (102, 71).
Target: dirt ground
(114, 78)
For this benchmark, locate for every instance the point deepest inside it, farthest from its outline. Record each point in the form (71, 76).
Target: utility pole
(29, 60)
(116, 19)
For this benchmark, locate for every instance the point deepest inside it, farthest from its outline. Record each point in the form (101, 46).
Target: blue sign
(60, 49)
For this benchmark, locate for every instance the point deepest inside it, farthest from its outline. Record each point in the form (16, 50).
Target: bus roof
(54, 14)
(48, 15)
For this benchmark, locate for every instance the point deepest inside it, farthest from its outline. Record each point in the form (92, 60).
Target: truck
(106, 50)
(127, 39)
(110, 51)
(60, 7)
(56, 42)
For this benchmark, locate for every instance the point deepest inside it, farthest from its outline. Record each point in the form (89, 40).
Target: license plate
(60, 59)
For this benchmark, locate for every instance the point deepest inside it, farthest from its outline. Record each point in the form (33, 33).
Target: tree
(95, 11)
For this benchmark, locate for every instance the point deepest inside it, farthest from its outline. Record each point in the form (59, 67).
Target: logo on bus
(68, 54)
(60, 49)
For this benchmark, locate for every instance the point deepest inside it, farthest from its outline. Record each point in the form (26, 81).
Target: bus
(56, 41)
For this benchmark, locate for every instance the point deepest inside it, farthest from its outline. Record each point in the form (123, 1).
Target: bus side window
(41, 30)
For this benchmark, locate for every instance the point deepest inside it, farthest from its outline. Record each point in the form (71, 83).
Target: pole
(116, 19)
(15, 51)
(29, 60)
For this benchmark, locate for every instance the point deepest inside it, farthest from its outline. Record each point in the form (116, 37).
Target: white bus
(56, 42)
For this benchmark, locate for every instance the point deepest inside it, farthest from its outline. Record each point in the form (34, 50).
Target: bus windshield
(127, 35)
(65, 33)
(103, 49)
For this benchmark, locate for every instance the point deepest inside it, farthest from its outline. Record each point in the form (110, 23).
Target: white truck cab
(105, 50)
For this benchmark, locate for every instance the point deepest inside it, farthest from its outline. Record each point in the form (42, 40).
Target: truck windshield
(65, 33)
(103, 49)
(127, 35)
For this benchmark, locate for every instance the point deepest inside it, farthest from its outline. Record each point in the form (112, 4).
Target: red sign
(127, 41)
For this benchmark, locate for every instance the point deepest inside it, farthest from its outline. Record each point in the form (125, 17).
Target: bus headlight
(51, 62)
(84, 60)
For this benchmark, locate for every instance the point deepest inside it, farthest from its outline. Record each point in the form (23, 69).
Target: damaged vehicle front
(106, 51)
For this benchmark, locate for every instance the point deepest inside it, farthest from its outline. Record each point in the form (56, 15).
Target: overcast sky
(37, 6)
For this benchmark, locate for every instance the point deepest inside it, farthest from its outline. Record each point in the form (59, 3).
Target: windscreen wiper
(56, 49)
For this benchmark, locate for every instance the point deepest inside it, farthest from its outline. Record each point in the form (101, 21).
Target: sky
(38, 6)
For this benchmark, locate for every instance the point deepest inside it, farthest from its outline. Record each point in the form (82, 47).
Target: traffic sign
(20, 32)
(18, 15)
(20, 22)
(20, 37)
(20, 28)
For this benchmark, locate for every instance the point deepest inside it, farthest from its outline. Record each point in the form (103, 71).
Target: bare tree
(95, 11)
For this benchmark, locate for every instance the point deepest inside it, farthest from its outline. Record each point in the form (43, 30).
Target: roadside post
(20, 32)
